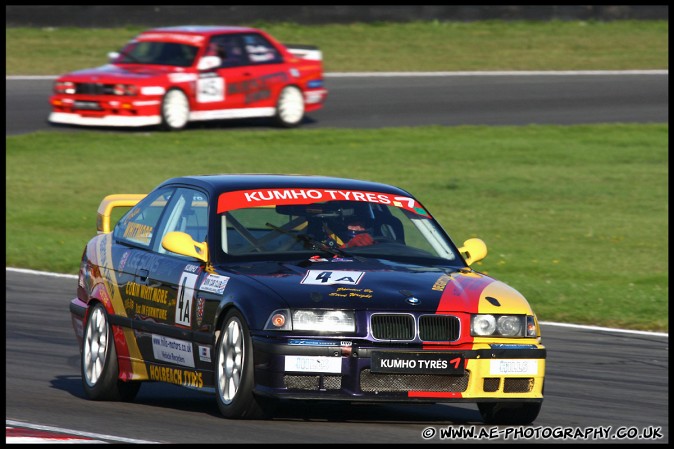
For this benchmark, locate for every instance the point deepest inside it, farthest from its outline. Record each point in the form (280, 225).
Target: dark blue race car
(261, 288)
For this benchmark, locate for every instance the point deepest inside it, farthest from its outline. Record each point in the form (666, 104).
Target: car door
(221, 91)
(269, 73)
(168, 284)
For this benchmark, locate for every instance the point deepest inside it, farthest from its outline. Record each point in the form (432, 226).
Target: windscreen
(331, 221)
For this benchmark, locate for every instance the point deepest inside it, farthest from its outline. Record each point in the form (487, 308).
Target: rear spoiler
(309, 52)
(109, 203)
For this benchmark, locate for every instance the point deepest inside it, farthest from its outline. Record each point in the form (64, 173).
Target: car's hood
(383, 285)
(114, 74)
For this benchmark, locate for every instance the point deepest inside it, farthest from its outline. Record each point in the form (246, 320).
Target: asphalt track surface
(449, 100)
(601, 383)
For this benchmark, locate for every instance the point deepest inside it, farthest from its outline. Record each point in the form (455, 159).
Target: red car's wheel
(175, 110)
(290, 107)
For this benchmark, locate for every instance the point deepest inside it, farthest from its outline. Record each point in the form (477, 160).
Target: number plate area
(87, 106)
(416, 362)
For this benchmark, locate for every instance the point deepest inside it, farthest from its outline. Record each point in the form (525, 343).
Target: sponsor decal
(258, 88)
(204, 353)
(515, 366)
(359, 293)
(186, 378)
(441, 283)
(267, 197)
(200, 310)
(511, 346)
(182, 77)
(191, 268)
(122, 262)
(303, 342)
(316, 364)
(171, 37)
(138, 232)
(178, 352)
(156, 296)
(214, 283)
(321, 277)
(186, 289)
(416, 363)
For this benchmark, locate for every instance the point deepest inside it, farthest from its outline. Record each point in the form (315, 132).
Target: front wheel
(234, 373)
(508, 413)
(290, 107)
(175, 110)
(99, 361)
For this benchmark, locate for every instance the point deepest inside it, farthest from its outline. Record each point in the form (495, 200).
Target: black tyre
(290, 107)
(509, 413)
(99, 361)
(234, 373)
(175, 110)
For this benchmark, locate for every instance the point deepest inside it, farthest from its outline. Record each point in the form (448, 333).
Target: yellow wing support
(109, 203)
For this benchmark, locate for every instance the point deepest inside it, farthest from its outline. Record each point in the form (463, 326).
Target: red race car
(169, 77)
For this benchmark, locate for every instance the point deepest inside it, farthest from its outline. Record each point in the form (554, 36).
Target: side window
(188, 213)
(260, 50)
(229, 48)
(139, 224)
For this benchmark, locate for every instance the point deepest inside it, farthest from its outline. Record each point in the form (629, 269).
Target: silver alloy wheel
(175, 109)
(95, 346)
(230, 362)
(290, 106)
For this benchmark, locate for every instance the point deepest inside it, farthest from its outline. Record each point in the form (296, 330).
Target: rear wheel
(234, 373)
(508, 413)
(290, 107)
(175, 110)
(99, 361)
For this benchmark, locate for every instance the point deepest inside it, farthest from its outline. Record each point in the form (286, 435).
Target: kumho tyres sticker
(322, 277)
(241, 199)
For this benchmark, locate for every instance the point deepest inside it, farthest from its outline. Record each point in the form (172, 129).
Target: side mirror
(182, 243)
(209, 62)
(112, 56)
(473, 250)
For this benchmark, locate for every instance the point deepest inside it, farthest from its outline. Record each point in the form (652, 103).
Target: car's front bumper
(342, 371)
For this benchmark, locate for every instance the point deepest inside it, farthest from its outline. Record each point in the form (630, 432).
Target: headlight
(502, 326)
(483, 325)
(324, 320)
(64, 87)
(125, 89)
(312, 320)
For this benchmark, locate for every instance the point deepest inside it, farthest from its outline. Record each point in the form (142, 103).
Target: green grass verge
(414, 46)
(575, 217)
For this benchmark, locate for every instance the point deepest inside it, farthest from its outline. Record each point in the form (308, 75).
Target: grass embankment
(574, 217)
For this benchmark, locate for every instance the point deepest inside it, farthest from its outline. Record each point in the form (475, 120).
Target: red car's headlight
(125, 89)
(64, 87)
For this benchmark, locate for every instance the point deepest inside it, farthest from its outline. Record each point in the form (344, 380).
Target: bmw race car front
(464, 337)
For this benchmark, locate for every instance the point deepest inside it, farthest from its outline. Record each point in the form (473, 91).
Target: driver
(347, 235)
